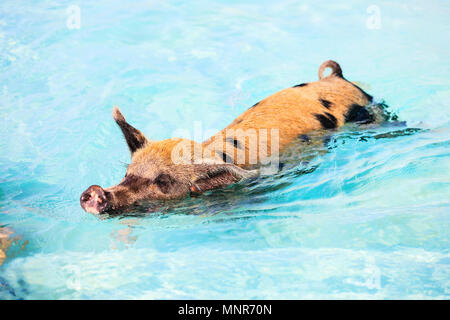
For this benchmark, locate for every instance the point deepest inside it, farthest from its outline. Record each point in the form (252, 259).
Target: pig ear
(219, 175)
(135, 139)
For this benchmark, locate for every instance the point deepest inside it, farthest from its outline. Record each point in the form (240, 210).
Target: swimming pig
(176, 167)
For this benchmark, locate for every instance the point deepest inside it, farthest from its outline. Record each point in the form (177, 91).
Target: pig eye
(164, 182)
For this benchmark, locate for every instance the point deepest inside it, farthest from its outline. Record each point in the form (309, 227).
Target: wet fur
(326, 104)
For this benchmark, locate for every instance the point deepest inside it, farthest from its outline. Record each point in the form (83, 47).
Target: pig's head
(157, 172)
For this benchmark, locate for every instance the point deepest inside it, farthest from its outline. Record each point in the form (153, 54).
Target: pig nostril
(85, 197)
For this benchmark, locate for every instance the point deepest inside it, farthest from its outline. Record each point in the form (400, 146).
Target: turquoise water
(367, 219)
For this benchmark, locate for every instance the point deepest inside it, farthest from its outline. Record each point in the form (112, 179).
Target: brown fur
(296, 111)
(293, 111)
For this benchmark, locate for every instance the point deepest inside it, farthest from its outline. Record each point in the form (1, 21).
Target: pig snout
(94, 200)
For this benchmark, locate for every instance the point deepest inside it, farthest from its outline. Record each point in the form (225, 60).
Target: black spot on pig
(226, 158)
(327, 104)
(327, 120)
(357, 113)
(235, 142)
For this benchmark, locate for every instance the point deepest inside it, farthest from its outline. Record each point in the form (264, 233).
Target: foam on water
(367, 219)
